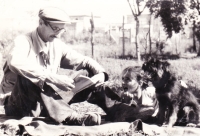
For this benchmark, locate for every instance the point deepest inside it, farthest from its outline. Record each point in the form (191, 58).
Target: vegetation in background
(137, 10)
(176, 14)
(171, 14)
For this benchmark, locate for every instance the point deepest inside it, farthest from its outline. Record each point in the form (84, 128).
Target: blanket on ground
(43, 126)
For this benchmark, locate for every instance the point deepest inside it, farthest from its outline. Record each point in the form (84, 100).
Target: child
(135, 92)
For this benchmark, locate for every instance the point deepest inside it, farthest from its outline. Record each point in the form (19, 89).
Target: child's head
(130, 77)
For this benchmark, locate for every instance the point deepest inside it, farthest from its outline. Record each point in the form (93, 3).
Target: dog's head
(155, 70)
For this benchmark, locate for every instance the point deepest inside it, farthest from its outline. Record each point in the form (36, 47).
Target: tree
(149, 31)
(171, 13)
(91, 31)
(137, 7)
(195, 19)
(176, 13)
(123, 40)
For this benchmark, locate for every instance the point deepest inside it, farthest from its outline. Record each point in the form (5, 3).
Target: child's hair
(134, 71)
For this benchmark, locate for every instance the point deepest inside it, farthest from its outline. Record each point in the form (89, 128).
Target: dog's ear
(155, 60)
(144, 66)
(148, 58)
(151, 59)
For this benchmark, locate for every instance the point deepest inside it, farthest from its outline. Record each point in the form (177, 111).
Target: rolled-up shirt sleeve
(22, 63)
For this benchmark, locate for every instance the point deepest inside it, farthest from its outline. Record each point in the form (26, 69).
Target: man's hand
(98, 79)
(63, 82)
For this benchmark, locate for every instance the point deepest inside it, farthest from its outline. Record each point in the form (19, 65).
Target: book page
(81, 83)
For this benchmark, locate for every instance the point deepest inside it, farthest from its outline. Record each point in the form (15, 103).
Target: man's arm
(74, 60)
(22, 62)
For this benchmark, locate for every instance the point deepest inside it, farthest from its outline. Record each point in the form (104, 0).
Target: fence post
(123, 41)
(92, 30)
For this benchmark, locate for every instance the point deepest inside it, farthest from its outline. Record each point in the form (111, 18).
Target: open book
(81, 83)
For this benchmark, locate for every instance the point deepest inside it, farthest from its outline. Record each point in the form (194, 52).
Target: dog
(173, 95)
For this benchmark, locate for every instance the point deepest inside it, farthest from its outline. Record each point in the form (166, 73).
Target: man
(31, 70)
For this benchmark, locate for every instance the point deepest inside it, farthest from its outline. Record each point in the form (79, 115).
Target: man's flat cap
(54, 15)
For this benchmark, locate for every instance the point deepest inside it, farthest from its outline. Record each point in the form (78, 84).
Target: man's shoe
(90, 119)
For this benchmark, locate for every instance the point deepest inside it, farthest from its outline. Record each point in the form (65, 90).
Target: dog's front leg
(161, 114)
(173, 117)
(172, 120)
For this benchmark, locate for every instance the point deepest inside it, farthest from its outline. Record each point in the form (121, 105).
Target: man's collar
(42, 45)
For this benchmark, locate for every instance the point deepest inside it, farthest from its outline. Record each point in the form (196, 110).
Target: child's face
(129, 83)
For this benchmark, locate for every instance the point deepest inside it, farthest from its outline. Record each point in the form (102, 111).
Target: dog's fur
(174, 98)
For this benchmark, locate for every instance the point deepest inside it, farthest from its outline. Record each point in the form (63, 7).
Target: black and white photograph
(99, 67)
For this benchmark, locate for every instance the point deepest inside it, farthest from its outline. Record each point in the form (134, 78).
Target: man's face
(49, 31)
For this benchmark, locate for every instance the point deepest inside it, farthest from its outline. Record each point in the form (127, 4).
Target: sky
(109, 10)
(23, 14)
